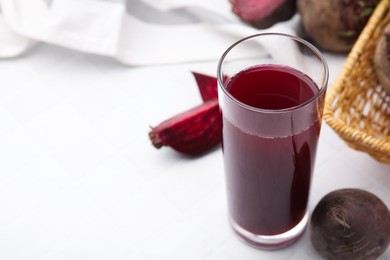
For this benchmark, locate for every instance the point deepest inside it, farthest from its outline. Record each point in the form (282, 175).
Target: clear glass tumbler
(271, 91)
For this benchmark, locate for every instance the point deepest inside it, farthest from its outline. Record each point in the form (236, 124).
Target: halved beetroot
(192, 132)
(264, 13)
(196, 130)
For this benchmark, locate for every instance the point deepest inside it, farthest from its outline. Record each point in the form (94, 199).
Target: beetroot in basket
(382, 59)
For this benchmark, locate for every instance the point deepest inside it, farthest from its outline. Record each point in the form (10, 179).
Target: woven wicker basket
(357, 107)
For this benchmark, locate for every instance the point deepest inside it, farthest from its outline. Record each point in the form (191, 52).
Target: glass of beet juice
(271, 91)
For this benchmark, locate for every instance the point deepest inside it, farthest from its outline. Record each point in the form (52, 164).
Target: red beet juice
(269, 158)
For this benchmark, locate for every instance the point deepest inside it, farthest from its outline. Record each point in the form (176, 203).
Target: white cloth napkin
(135, 32)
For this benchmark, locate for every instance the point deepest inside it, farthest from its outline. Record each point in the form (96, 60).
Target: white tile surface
(79, 178)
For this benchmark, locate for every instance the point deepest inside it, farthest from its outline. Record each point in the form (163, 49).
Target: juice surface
(272, 87)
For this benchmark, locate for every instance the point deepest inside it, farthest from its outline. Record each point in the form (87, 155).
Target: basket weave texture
(357, 108)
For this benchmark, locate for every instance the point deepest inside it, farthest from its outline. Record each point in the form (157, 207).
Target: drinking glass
(271, 92)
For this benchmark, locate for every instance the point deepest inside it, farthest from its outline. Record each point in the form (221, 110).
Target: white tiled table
(79, 178)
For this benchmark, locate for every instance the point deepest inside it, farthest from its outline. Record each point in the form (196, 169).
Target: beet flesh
(264, 13)
(350, 224)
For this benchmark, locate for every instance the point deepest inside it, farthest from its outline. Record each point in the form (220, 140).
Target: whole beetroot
(264, 13)
(334, 25)
(350, 224)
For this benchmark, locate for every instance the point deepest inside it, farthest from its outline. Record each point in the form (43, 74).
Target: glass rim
(321, 90)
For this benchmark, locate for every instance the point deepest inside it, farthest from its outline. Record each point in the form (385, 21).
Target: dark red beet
(192, 132)
(208, 86)
(350, 224)
(264, 13)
